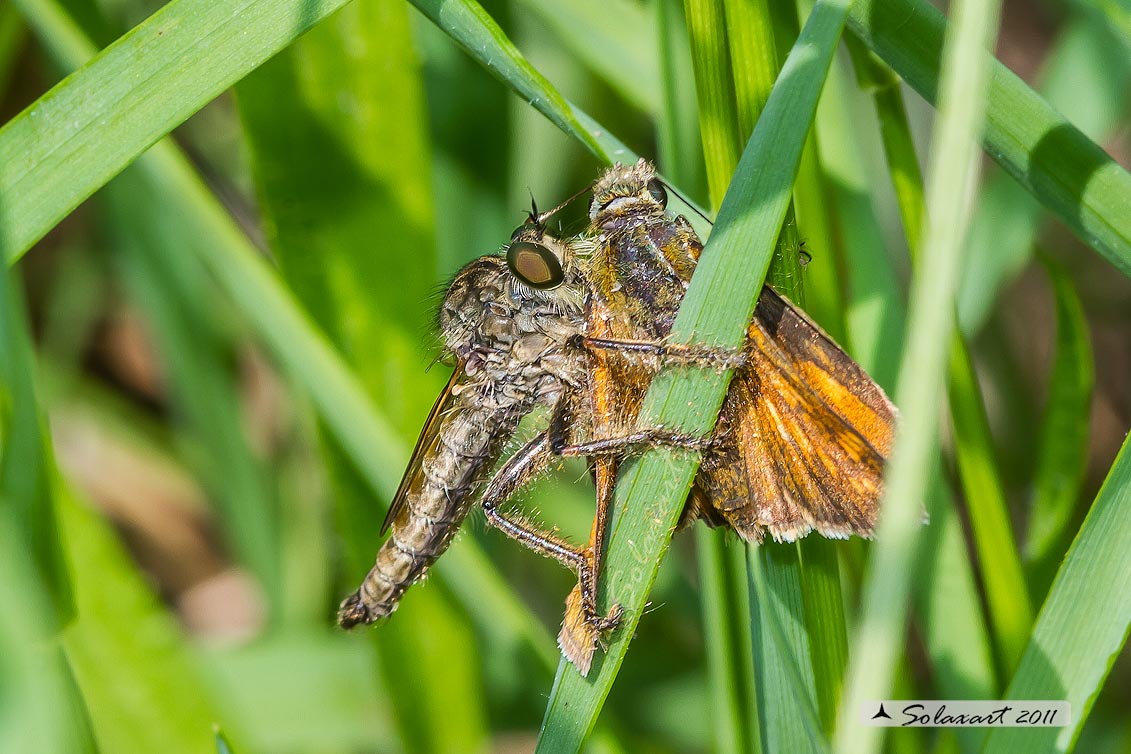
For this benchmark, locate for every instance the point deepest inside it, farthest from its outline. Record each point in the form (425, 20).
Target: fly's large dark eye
(535, 265)
(658, 192)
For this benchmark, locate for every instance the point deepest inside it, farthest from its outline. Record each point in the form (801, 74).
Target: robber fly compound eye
(535, 265)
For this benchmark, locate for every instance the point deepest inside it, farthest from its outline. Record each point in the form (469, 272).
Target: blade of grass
(1063, 456)
(714, 86)
(1085, 76)
(725, 601)
(330, 183)
(954, 167)
(1010, 611)
(366, 436)
(38, 711)
(947, 603)
(1084, 622)
(678, 141)
(719, 302)
(138, 677)
(26, 456)
(612, 38)
(99, 119)
(1060, 166)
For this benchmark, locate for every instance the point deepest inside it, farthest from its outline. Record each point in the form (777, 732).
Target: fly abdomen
(431, 505)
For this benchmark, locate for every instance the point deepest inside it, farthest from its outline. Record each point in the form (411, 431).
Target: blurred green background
(184, 522)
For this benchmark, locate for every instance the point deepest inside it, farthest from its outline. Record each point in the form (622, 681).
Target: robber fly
(803, 433)
(510, 322)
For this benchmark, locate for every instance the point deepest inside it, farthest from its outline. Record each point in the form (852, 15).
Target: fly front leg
(523, 467)
(713, 357)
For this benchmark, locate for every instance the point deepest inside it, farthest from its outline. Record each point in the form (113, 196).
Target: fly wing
(429, 437)
(803, 434)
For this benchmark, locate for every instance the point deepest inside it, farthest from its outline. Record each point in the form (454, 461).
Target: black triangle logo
(882, 713)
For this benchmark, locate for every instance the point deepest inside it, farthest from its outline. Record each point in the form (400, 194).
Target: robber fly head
(628, 190)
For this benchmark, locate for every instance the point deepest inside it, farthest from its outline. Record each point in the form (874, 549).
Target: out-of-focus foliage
(212, 371)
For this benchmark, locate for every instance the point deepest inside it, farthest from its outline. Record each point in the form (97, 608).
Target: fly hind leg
(522, 467)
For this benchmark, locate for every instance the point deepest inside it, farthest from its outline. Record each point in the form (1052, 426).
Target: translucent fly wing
(429, 437)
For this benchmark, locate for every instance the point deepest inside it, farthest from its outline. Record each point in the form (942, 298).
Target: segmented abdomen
(455, 456)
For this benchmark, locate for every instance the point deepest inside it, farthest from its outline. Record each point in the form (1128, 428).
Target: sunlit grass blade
(678, 142)
(1087, 78)
(714, 85)
(478, 34)
(611, 37)
(716, 309)
(1063, 456)
(984, 491)
(947, 604)
(1066, 171)
(72, 141)
(1084, 622)
(954, 168)
(725, 599)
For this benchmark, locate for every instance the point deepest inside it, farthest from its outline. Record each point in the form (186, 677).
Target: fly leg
(522, 467)
(619, 445)
(714, 357)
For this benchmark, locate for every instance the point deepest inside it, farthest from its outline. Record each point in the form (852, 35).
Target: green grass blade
(726, 633)
(1083, 623)
(476, 32)
(26, 456)
(38, 710)
(140, 682)
(346, 195)
(1063, 456)
(1085, 76)
(789, 719)
(714, 86)
(678, 141)
(1065, 170)
(947, 604)
(718, 304)
(954, 167)
(725, 600)
(612, 38)
(83, 132)
(1010, 611)
(199, 352)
